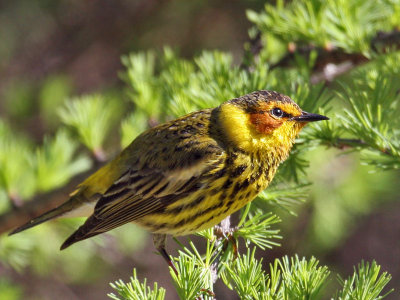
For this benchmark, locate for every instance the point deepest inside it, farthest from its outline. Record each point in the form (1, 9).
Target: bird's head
(263, 121)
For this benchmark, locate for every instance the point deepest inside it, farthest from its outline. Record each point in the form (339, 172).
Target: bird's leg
(164, 254)
(159, 243)
(224, 232)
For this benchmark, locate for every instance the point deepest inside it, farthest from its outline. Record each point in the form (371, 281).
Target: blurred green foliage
(91, 118)
(54, 91)
(9, 291)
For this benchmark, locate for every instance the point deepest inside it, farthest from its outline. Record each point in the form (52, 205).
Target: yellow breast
(218, 198)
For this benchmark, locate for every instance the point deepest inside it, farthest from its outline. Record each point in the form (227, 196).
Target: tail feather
(54, 213)
(82, 233)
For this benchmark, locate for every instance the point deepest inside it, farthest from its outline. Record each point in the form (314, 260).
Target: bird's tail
(84, 232)
(59, 211)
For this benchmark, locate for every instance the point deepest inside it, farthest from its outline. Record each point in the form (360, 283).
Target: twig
(342, 143)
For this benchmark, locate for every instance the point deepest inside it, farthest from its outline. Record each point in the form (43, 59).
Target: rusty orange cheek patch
(264, 123)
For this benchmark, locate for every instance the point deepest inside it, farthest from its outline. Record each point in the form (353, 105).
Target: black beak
(308, 117)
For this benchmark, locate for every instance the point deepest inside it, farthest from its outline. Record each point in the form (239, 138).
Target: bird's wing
(136, 194)
(158, 177)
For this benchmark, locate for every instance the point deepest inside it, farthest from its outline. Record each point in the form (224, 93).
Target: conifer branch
(135, 290)
(343, 144)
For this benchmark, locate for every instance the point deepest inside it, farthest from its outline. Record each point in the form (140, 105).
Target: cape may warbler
(190, 173)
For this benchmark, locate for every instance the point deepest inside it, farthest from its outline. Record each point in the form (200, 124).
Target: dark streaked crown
(251, 102)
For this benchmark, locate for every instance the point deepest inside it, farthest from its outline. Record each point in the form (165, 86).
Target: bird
(190, 173)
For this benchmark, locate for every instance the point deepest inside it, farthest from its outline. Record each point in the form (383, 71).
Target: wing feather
(149, 185)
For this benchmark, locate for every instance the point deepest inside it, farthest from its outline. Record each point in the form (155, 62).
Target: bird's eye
(277, 112)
